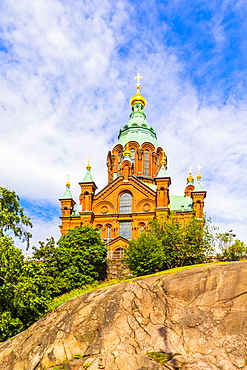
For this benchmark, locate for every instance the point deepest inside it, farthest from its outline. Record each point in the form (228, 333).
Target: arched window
(126, 203)
(157, 164)
(141, 228)
(99, 227)
(108, 232)
(132, 154)
(146, 162)
(118, 253)
(119, 162)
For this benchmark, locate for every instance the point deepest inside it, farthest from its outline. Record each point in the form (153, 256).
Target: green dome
(137, 129)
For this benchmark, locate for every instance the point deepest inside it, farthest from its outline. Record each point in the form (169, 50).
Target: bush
(167, 244)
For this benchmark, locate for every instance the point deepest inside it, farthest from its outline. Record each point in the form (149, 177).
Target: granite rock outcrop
(197, 316)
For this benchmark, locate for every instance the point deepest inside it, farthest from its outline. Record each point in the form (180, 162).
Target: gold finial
(163, 160)
(190, 178)
(138, 77)
(88, 164)
(127, 151)
(138, 98)
(68, 183)
(198, 176)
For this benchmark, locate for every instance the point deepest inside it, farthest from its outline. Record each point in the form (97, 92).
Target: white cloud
(64, 95)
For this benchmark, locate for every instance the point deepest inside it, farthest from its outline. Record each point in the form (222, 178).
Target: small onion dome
(67, 194)
(198, 176)
(88, 165)
(68, 183)
(190, 178)
(138, 98)
(163, 160)
(127, 152)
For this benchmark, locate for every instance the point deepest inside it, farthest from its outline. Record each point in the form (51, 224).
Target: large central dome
(137, 129)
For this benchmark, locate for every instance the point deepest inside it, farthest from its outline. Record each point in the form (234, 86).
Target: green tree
(167, 244)
(225, 239)
(78, 259)
(12, 215)
(23, 291)
(169, 233)
(46, 256)
(26, 287)
(235, 252)
(230, 249)
(11, 262)
(198, 242)
(145, 254)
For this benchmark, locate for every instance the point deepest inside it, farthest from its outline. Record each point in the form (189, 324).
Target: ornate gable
(107, 201)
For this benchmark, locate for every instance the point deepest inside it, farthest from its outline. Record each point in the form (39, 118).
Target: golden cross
(68, 183)
(190, 169)
(138, 77)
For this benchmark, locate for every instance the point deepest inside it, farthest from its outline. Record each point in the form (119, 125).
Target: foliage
(230, 249)
(46, 256)
(27, 287)
(167, 244)
(79, 291)
(11, 264)
(77, 260)
(12, 215)
(236, 251)
(148, 252)
(22, 301)
(81, 255)
(224, 239)
(85, 366)
(77, 356)
(160, 357)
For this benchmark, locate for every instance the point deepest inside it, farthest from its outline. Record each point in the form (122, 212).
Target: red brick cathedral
(137, 189)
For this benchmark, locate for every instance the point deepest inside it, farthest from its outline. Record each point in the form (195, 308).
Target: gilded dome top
(190, 178)
(138, 98)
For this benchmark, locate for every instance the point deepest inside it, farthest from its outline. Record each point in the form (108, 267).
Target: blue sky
(66, 77)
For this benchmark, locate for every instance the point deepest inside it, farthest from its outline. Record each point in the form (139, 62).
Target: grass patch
(77, 356)
(77, 292)
(174, 270)
(160, 357)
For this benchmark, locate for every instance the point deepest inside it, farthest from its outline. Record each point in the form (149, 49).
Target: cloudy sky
(66, 78)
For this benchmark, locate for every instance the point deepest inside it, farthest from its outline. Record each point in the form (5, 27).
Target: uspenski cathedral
(137, 189)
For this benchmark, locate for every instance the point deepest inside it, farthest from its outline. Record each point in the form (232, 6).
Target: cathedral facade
(137, 189)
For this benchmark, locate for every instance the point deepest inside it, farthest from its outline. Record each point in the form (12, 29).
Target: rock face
(198, 316)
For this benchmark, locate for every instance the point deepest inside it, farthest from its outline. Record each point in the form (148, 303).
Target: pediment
(118, 240)
(133, 185)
